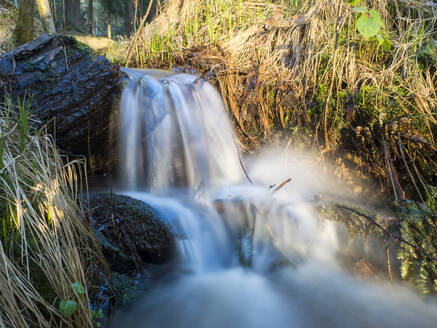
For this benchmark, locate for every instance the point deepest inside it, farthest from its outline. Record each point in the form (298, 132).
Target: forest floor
(98, 44)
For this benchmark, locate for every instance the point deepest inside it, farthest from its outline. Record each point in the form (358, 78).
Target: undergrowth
(46, 246)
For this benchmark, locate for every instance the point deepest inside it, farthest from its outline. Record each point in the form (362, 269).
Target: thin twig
(389, 167)
(137, 34)
(387, 254)
(241, 161)
(408, 168)
(281, 185)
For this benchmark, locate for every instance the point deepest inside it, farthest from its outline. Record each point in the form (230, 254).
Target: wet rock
(73, 89)
(130, 232)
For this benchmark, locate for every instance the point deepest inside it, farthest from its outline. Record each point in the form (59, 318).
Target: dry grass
(7, 25)
(44, 240)
(272, 52)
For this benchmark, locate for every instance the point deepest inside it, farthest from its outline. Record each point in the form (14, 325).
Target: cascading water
(175, 133)
(251, 257)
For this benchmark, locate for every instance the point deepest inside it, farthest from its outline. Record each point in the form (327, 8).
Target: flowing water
(249, 256)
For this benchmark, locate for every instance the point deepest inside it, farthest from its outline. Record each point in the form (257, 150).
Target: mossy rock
(130, 231)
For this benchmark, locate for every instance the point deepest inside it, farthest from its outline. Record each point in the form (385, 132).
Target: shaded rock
(69, 84)
(130, 232)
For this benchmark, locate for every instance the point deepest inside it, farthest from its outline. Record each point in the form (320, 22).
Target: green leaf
(362, 10)
(354, 3)
(386, 46)
(367, 26)
(380, 39)
(376, 17)
(78, 288)
(67, 308)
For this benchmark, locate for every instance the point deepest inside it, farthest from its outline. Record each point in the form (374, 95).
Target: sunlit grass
(45, 242)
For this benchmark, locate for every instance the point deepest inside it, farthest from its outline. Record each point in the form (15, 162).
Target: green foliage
(67, 308)
(371, 26)
(427, 56)
(96, 316)
(113, 7)
(24, 116)
(419, 227)
(78, 288)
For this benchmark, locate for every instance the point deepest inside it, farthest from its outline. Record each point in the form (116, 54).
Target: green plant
(69, 307)
(23, 118)
(371, 26)
(419, 227)
(96, 316)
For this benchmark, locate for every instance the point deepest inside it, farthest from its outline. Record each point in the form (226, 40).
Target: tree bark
(90, 16)
(68, 18)
(46, 16)
(24, 27)
(109, 27)
(128, 17)
(135, 14)
(54, 14)
(77, 18)
(73, 91)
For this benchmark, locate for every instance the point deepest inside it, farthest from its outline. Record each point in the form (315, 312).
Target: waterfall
(175, 133)
(250, 257)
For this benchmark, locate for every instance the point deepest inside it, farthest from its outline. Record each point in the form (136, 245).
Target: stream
(251, 249)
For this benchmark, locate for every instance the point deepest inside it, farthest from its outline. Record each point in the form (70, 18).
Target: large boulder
(73, 89)
(130, 232)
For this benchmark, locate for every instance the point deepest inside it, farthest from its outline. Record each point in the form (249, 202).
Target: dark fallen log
(72, 89)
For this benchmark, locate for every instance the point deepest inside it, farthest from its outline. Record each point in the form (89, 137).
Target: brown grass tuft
(45, 242)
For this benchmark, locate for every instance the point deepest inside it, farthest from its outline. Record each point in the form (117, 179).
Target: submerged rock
(130, 232)
(73, 89)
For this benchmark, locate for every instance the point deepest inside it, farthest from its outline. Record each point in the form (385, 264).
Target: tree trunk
(68, 18)
(135, 14)
(109, 27)
(54, 14)
(46, 16)
(90, 16)
(24, 28)
(77, 18)
(128, 17)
